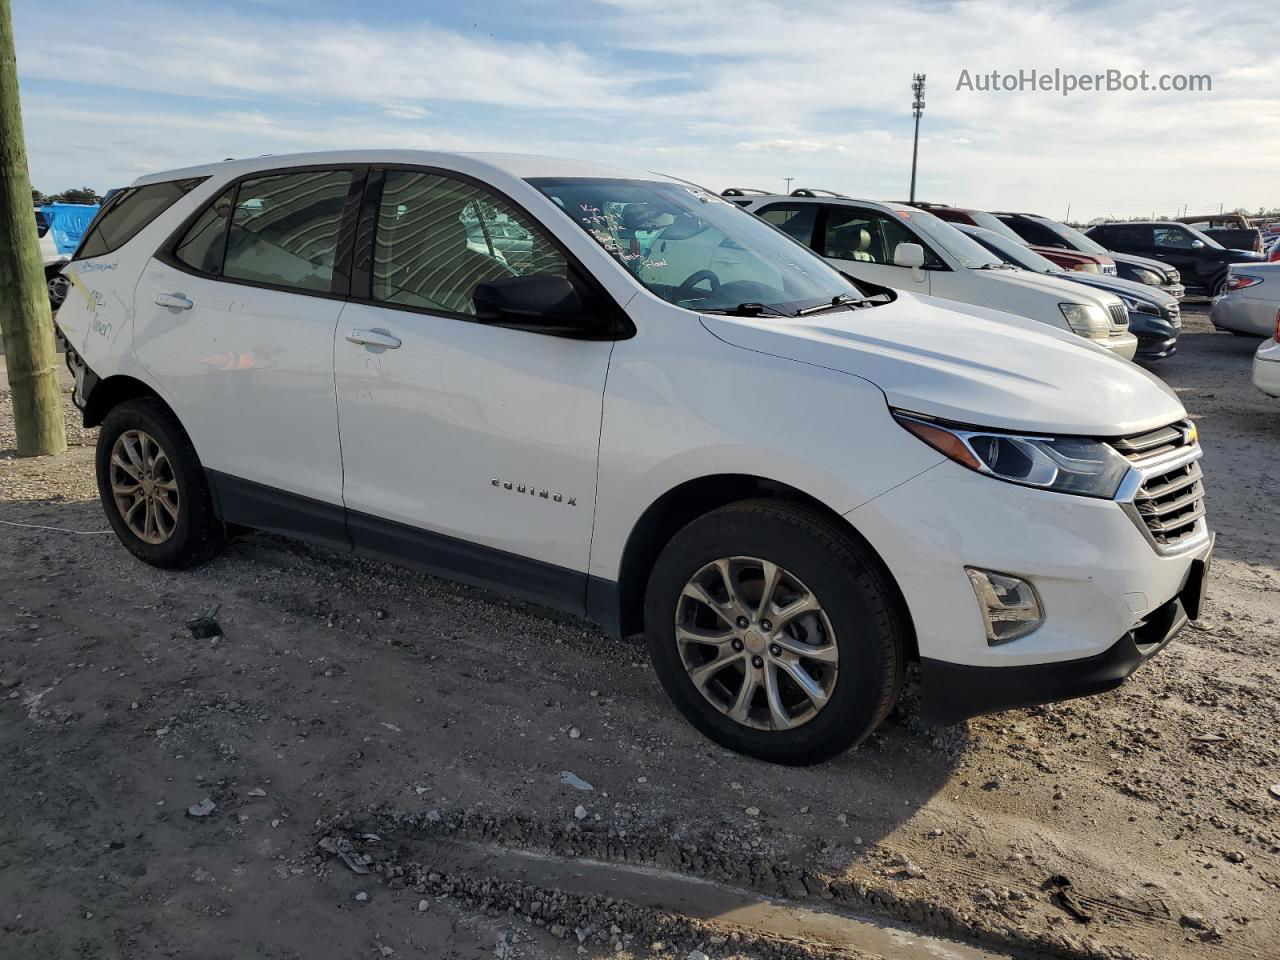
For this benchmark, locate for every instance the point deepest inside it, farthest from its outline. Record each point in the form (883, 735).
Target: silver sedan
(1252, 298)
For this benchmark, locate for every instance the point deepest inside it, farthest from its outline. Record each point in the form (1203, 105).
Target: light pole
(917, 108)
(788, 179)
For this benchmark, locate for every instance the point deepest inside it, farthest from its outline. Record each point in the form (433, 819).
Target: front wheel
(775, 632)
(153, 488)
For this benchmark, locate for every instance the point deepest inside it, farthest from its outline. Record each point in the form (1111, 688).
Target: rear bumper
(1243, 314)
(951, 692)
(1266, 368)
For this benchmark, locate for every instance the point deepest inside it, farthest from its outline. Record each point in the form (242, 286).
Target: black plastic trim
(262, 507)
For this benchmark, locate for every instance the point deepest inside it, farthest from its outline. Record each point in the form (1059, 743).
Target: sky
(741, 93)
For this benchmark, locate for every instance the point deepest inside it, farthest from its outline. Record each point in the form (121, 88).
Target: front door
(467, 448)
(861, 242)
(235, 323)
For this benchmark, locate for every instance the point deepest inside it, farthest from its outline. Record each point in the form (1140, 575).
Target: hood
(1120, 287)
(1146, 263)
(970, 365)
(1043, 283)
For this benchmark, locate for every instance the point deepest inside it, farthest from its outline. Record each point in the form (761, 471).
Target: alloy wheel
(756, 643)
(144, 487)
(58, 288)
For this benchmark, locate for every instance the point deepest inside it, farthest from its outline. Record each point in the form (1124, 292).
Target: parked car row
(622, 396)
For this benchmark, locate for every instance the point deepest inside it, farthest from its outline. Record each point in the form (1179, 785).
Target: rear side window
(796, 220)
(284, 229)
(201, 247)
(128, 212)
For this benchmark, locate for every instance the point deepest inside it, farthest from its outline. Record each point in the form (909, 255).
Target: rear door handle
(372, 338)
(175, 300)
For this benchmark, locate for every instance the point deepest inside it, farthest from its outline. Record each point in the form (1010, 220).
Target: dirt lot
(356, 717)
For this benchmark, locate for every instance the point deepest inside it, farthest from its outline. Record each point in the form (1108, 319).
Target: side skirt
(262, 507)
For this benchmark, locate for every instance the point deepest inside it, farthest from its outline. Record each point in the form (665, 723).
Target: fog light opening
(1010, 605)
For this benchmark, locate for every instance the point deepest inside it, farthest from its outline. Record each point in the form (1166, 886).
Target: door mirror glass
(1197, 245)
(542, 301)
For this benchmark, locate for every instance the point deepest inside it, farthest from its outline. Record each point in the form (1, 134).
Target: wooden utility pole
(30, 355)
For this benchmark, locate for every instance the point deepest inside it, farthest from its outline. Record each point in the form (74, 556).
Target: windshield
(1015, 252)
(993, 223)
(966, 250)
(1076, 239)
(695, 250)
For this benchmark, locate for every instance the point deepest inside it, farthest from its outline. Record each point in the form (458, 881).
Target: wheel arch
(694, 498)
(113, 391)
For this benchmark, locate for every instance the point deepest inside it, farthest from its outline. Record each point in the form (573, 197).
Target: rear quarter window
(128, 213)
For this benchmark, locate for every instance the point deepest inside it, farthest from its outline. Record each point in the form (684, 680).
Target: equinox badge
(534, 492)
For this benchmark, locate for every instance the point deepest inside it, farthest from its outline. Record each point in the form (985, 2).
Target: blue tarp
(68, 222)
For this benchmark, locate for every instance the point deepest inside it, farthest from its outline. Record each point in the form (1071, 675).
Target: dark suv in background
(1201, 260)
(1043, 232)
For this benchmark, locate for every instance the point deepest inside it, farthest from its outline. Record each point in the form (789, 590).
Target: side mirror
(1197, 244)
(910, 255)
(541, 302)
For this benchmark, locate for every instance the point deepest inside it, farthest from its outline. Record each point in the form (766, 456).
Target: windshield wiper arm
(839, 300)
(750, 310)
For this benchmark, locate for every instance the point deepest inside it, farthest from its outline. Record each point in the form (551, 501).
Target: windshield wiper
(749, 310)
(839, 300)
(997, 266)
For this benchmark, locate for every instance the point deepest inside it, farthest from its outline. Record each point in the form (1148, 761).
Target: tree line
(74, 195)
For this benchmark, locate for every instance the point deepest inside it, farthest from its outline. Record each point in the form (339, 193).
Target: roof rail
(742, 192)
(814, 191)
(925, 204)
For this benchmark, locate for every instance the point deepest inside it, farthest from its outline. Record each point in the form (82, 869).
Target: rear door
(235, 321)
(467, 448)
(1177, 246)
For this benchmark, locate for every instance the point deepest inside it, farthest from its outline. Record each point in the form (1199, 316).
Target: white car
(792, 485)
(906, 248)
(1266, 364)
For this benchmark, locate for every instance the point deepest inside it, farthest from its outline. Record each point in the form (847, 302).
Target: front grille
(1175, 316)
(1119, 315)
(1170, 501)
(1171, 504)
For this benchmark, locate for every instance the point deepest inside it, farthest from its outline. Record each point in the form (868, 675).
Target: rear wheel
(775, 632)
(153, 488)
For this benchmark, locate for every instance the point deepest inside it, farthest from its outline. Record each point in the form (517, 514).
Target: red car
(1067, 259)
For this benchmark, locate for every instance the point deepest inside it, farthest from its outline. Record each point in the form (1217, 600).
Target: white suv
(910, 249)
(792, 485)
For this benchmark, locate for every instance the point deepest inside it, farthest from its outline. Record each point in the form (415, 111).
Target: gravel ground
(356, 722)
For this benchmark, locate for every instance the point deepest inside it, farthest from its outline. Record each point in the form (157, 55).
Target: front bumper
(1157, 336)
(951, 692)
(1121, 344)
(1099, 576)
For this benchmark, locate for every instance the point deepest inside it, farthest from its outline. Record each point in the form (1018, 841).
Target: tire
(818, 559)
(187, 532)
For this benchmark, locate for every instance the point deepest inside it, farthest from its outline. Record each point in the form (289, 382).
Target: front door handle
(175, 300)
(372, 338)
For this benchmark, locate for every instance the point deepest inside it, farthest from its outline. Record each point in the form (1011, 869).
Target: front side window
(284, 229)
(694, 249)
(438, 237)
(1131, 236)
(854, 233)
(128, 212)
(1172, 238)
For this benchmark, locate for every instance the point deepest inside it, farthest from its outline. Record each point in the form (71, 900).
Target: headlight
(1086, 319)
(1149, 277)
(1139, 306)
(1087, 267)
(1076, 465)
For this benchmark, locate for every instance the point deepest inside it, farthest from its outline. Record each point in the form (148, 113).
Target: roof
(791, 198)
(517, 165)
